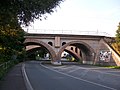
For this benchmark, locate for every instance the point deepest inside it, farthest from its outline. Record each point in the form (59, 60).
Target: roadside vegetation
(108, 66)
(116, 44)
(14, 14)
(113, 67)
(116, 47)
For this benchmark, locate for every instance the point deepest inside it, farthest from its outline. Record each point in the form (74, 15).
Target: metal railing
(75, 32)
(5, 67)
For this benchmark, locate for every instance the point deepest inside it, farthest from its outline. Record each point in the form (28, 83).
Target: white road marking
(63, 67)
(95, 70)
(27, 82)
(73, 70)
(79, 78)
(107, 73)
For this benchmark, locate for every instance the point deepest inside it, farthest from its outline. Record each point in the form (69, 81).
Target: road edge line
(26, 80)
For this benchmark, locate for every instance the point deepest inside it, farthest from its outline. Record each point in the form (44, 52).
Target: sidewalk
(13, 80)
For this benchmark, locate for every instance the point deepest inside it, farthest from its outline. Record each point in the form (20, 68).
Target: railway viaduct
(90, 49)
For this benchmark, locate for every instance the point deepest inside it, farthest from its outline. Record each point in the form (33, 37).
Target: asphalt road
(69, 77)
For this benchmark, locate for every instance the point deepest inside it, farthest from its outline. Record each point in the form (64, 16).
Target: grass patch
(113, 67)
(107, 66)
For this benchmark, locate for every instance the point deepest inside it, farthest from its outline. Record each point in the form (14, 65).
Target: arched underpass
(41, 46)
(87, 51)
(38, 53)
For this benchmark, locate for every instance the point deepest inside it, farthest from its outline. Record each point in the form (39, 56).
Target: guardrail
(5, 67)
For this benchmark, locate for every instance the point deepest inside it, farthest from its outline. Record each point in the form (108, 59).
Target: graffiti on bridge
(105, 56)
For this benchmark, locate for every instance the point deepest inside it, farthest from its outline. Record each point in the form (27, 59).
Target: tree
(13, 14)
(116, 45)
(10, 43)
(25, 11)
(118, 34)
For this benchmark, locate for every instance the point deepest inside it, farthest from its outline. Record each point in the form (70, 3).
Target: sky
(76, 16)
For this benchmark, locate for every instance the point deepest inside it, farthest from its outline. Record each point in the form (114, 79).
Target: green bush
(4, 67)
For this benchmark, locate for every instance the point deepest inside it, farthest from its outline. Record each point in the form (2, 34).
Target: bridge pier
(88, 62)
(56, 62)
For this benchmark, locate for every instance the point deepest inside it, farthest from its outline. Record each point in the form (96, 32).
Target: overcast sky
(82, 15)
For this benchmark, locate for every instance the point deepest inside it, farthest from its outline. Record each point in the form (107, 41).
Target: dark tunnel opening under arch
(41, 47)
(87, 51)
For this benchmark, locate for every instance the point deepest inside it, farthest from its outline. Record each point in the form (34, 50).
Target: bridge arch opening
(76, 49)
(63, 43)
(38, 53)
(50, 43)
(71, 48)
(41, 47)
(86, 53)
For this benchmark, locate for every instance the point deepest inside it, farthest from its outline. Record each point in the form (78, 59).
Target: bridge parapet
(74, 32)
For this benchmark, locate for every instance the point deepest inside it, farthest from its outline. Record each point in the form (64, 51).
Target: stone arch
(85, 48)
(43, 44)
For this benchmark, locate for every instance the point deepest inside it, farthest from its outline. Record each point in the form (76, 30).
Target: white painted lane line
(80, 78)
(27, 82)
(64, 67)
(73, 70)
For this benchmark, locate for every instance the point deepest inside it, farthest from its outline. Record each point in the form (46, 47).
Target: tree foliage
(116, 45)
(25, 11)
(10, 43)
(118, 34)
(11, 38)
(13, 14)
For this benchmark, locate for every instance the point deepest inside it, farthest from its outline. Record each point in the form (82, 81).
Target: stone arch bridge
(84, 47)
